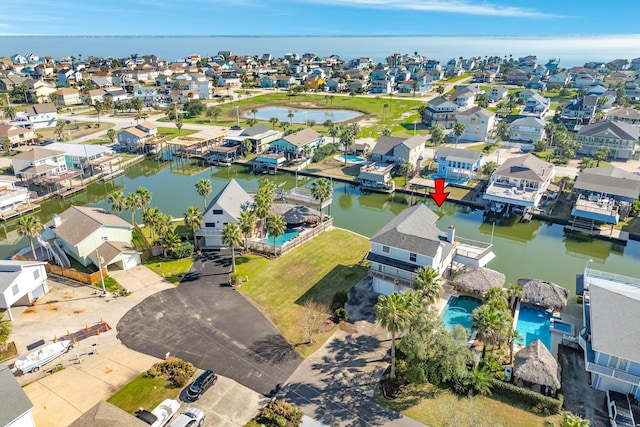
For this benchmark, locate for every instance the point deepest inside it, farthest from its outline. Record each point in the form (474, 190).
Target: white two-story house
(37, 116)
(295, 145)
(21, 282)
(393, 149)
(520, 181)
(224, 208)
(478, 123)
(411, 240)
(610, 337)
(620, 138)
(38, 162)
(527, 129)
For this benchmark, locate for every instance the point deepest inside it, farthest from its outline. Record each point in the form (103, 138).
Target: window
(385, 249)
(36, 274)
(413, 257)
(210, 224)
(15, 290)
(217, 211)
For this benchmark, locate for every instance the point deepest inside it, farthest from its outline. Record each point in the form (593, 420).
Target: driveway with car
(210, 324)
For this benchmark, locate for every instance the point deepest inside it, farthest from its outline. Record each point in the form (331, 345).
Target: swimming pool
(449, 180)
(563, 328)
(351, 159)
(458, 311)
(534, 324)
(289, 234)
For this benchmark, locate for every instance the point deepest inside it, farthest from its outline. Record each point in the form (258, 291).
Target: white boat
(34, 360)
(162, 413)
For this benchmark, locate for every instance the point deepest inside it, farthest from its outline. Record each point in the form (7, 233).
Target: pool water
(562, 327)
(449, 180)
(351, 159)
(289, 234)
(458, 311)
(534, 324)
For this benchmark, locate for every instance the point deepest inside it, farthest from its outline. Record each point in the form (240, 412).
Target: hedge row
(539, 402)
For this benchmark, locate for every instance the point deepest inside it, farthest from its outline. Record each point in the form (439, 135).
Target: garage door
(131, 261)
(383, 287)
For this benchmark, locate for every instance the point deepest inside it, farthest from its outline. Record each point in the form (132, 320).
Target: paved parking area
(211, 325)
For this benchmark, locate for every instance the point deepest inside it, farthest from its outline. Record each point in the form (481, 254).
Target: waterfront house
(520, 181)
(610, 337)
(94, 236)
(411, 240)
(393, 149)
(376, 177)
(38, 163)
(478, 123)
(457, 163)
(16, 135)
(37, 116)
(629, 116)
(135, 137)
(620, 138)
(302, 143)
(577, 112)
(260, 136)
(527, 129)
(17, 408)
(604, 196)
(440, 111)
(85, 157)
(12, 198)
(66, 96)
(225, 208)
(21, 282)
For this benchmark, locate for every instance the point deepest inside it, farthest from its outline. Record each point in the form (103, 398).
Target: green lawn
(173, 132)
(172, 270)
(143, 392)
(314, 271)
(439, 406)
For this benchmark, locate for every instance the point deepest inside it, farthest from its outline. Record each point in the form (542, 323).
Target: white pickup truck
(619, 407)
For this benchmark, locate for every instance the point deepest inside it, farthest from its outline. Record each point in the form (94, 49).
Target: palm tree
(111, 134)
(437, 137)
(254, 111)
(193, 220)
(30, 227)
(406, 169)
(458, 130)
(290, 116)
(145, 197)
(232, 237)
(5, 332)
(503, 130)
(150, 219)
(170, 242)
(275, 228)
(394, 313)
(117, 201)
(273, 121)
(9, 112)
(384, 110)
(246, 146)
(480, 381)
(428, 285)
(132, 203)
(247, 223)
(514, 291)
(327, 123)
(586, 163)
(602, 153)
(321, 190)
(179, 123)
(489, 168)
(346, 139)
(334, 130)
(203, 188)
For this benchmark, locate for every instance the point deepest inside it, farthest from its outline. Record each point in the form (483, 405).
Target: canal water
(535, 249)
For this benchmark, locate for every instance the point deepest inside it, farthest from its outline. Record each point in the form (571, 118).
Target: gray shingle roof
(104, 414)
(624, 113)
(14, 402)
(78, 222)
(46, 107)
(386, 144)
(10, 270)
(614, 315)
(529, 122)
(414, 230)
(37, 153)
(622, 130)
(525, 167)
(611, 180)
(233, 199)
(458, 154)
(302, 137)
(255, 130)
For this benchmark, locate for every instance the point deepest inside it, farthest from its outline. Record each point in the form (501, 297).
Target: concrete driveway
(211, 325)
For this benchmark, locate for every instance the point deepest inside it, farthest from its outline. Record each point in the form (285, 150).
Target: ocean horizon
(572, 50)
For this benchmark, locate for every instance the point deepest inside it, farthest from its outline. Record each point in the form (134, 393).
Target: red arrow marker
(439, 196)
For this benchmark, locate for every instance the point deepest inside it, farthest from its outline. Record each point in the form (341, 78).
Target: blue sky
(317, 17)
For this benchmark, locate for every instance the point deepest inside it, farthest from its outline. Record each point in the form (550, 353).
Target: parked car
(201, 384)
(619, 408)
(189, 418)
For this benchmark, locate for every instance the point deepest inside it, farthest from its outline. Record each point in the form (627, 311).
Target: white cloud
(465, 7)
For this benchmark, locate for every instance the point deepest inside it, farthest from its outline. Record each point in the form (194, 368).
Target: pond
(535, 249)
(300, 116)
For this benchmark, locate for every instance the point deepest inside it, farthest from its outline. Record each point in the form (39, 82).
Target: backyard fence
(88, 278)
(306, 235)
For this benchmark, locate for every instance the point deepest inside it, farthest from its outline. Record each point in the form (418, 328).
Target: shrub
(323, 152)
(539, 403)
(339, 300)
(185, 250)
(174, 370)
(280, 414)
(340, 315)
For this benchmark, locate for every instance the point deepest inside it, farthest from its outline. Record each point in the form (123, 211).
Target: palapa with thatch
(296, 214)
(477, 280)
(535, 368)
(543, 293)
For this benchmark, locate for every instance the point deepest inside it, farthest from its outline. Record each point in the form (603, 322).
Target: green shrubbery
(175, 370)
(323, 152)
(280, 414)
(185, 250)
(539, 403)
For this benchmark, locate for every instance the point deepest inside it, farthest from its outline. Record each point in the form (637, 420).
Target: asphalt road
(211, 325)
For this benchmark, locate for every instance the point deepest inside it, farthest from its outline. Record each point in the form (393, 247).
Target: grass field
(143, 392)
(314, 271)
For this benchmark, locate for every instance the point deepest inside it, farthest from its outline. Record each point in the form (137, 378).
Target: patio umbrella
(534, 364)
(478, 280)
(543, 293)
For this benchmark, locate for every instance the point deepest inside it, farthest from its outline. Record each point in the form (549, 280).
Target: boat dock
(71, 190)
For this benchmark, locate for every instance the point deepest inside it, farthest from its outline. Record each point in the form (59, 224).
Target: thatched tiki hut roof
(478, 280)
(543, 293)
(535, 365)
(296, 214)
